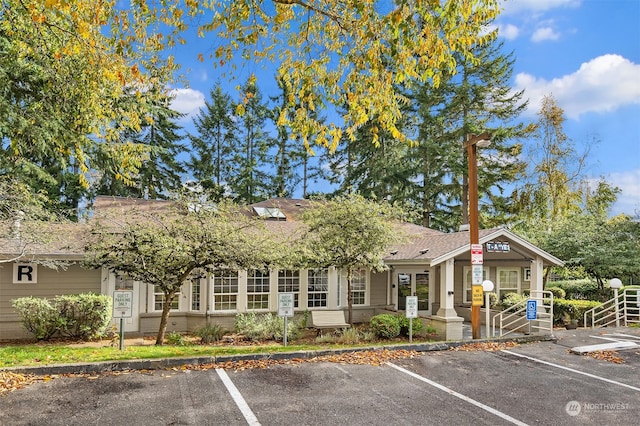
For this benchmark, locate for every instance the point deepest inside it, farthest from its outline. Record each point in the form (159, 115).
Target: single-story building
(432, 265)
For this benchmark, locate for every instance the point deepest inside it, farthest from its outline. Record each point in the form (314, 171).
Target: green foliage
(176, 339)
(386, 326)
(586, 289)
(511, 299)
(38, 316)
(82, 316)
(210, 333)
(571, 309)
(417, 327)
(267, 326)
(558, 293)
(85, 316)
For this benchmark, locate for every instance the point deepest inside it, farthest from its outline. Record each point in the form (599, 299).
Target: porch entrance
(410, 283)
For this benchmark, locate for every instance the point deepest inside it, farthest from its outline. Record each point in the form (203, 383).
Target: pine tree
(249, 181)
(159, 173)
(210, 161)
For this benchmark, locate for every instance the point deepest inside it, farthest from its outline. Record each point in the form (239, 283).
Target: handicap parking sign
(532, 309)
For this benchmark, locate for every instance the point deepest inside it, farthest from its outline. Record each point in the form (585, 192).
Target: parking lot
(535, 383)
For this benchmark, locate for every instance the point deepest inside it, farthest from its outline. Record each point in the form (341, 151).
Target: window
(466, 298)
(359, 287)
(318, 288)
(258, 289)
(159, 299)
(289, 282)
(508, 281)
(195, 293)
(225, 290)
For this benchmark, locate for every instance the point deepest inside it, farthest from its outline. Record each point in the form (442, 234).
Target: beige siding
(378, 288)
(50, 283)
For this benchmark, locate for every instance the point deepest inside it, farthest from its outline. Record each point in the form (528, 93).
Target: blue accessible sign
(532, 309)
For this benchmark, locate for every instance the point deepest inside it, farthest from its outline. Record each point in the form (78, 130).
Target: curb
(163, 363)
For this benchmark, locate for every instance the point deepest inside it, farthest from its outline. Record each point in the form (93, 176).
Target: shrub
(557, 292)
(572, 309)
(176, 339)
(210, 333)
(267, 326)
(84, 316)
(585, 289)
(80, 316)
(386, 326)
(511, 299)
(418, 327)
(348, 336)
(38, 316)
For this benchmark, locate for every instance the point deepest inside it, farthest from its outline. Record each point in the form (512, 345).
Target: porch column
(447, 323)
(537, 274)
(446, 287)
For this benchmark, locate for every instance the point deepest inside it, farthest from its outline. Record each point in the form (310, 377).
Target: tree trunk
(164, 319)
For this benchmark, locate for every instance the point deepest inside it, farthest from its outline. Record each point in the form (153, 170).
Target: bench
(328, 319)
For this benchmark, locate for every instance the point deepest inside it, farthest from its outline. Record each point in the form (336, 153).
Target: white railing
(623, 310)
(514, 319)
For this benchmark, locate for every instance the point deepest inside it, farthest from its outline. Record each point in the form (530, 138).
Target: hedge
(572, 309)
(80, 316)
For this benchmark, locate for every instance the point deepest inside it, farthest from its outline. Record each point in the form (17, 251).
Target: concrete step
(603, 347)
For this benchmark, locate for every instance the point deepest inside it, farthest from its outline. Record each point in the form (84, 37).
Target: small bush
(85, 316)
(176, 339)
(404, 325)
(386, 326)
(572, 309)
(585, 289)
(38, 316)
(348, 336)
(210, 333)
(557, 292)
(80, 316)
(267, 326)
(511, 299)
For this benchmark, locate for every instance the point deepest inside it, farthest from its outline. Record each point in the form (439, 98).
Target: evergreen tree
(477, 99)
(159, 172)
(249, 182)
(211, 157)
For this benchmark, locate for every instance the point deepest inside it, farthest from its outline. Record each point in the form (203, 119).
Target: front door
(422, 291)
(404, 290)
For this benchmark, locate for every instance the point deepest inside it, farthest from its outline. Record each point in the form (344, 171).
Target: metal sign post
(411, 312)
(122, 308)
(532, 311)
(285, 309)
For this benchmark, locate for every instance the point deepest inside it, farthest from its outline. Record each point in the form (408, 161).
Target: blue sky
(585, 53)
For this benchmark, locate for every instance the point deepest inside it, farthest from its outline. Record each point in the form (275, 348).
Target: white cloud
(600, 85)
(509, 31)
(544, 33)
(629, 199)
(187, 101)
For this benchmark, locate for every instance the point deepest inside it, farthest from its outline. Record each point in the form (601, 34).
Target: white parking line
(572, 370)
(459, 395)
(238, 399)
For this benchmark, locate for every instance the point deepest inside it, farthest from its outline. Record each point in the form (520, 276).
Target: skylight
(269, 213)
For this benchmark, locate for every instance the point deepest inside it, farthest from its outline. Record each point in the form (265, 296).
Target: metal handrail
(510, 317)
(626, 309)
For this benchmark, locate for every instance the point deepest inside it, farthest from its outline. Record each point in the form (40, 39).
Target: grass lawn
(42, 353)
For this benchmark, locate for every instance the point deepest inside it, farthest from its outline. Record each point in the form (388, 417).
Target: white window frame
(466, 294)
(289, 282)
(158, 298)
(195, 293)
(224, 282)
(258, 291)
(360, 277)
(317, 278)
(500, 289)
